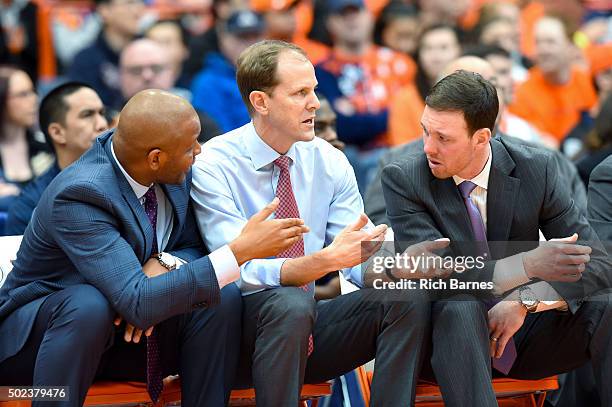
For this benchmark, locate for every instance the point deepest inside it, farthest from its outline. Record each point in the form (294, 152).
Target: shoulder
(222, 150)
(603, 171)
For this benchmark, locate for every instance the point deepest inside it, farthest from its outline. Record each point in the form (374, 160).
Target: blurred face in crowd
(281, 24)
(446, 9)
(401, 34)
(122, 16)
(84, 120)
(448, 146)
(144, 65)
(437, 49)
(325, 125)
(169, 35)
(501, 32)
(553, 48)
(351, 27)
(22, 101)
(502, 67)
(290, 106)
(232, 45)
(604, 82)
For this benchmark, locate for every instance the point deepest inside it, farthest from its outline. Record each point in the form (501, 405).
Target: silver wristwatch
(167, 260)
(528, 299)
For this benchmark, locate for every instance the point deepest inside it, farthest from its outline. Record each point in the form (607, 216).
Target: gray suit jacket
(525, 194)
(374, 200)
(89, 228)
(600, 200)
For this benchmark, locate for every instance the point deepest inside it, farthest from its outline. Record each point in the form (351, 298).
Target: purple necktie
(155, 383)
(287, 208)
(503, 364)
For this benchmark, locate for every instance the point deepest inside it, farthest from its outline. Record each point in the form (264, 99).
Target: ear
(156, 159)
(482, 136)
(259, 101)
(57, 134)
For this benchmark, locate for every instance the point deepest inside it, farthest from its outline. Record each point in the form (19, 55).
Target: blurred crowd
(375, 60)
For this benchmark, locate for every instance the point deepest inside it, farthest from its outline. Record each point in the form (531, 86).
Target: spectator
(171, 35)
(325, 123)
(397, 27)
(359, 79)
(23, 152)
(598, 143)
(19, 20)
(437, 46)
(214, 89)
(144, 64)
(98, 64)
(282, 23)
(433, 12)
(564, 92)
(71, 116)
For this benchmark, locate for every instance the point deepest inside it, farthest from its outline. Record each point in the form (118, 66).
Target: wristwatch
(528, 299)
(167, 260)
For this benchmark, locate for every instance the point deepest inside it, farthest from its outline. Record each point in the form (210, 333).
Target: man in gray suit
(114, 234)
(468, 187)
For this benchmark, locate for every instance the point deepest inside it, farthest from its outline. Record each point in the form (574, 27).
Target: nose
(101, 123)
(197, 149)
(428, 145)
(314, 103)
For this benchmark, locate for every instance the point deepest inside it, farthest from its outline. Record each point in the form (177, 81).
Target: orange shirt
(315, 50)
(405, 115)
(552, 108)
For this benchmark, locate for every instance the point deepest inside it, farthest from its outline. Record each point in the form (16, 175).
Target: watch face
(168, 259)
(528, 298)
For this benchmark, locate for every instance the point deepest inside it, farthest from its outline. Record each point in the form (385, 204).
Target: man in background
(70, 116)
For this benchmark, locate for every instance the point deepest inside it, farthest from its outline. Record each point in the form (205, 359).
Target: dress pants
(548, 343)
(348, 331)
(74, 342)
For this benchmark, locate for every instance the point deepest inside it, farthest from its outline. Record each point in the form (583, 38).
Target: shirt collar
(262, 154)
(138, 188)
(482, 179)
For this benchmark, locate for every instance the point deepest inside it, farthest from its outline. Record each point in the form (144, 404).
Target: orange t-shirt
(552, 108)
(405, 113)
(315, 50)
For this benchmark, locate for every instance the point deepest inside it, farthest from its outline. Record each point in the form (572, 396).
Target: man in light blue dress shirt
(235, 176)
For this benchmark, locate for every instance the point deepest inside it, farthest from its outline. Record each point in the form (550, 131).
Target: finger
(575, 249)
(293, 231)
(569, 278)
(570, 239)
(358, 224)
(137, 335)
(129, 330)
(118, 320)
(435, 245)
(501, 345)
(575, 259)
(266, 211)
(571, 269)
(493, 343)
(288, 222)
(149, 331)
(378, 233)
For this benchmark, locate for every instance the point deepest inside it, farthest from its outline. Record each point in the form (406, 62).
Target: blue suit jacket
(89, 228)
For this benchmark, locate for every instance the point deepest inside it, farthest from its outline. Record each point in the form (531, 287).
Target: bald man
(114, 239)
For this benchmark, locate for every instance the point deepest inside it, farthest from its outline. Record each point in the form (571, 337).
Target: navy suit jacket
(89, 228)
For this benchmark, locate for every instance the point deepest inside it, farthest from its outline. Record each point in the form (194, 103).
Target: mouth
(308, 122)
(433, 163)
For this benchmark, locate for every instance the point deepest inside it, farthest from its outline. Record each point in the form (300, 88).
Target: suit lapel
(146, 243)
(453, 214)
(179, 200)
(501, 195)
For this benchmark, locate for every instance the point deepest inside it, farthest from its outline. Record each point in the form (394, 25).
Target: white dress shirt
(509, 272)
(222, 259)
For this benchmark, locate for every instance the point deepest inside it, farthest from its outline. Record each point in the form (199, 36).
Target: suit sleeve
(374, 201)
(560, 217)
(83, 225)
(600, 200)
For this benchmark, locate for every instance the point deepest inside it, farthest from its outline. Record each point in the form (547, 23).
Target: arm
(600, 200)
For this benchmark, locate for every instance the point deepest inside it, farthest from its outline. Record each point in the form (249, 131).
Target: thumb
(570, 239)
(360, 223)
(440, 243)
(266, 211)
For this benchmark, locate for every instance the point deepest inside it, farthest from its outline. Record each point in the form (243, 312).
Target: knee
(291, 307)
(455, 314)
(231, 302)
(86, 308)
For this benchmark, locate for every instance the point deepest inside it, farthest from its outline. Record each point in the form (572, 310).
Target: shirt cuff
(225, 265)
(508, 274)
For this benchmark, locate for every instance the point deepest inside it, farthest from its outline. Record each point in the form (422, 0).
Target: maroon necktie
(155, 383)
(505, 362)
(288, 208)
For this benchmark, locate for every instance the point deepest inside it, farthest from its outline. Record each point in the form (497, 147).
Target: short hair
(484, 51)
(53, 107)
(257, 66)
(469, 93)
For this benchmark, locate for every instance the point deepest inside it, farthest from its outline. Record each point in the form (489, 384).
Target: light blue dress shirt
(234, 177)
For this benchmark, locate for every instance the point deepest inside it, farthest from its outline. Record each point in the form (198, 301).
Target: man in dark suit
(113, 238)
(600, 200)
(468, 187)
